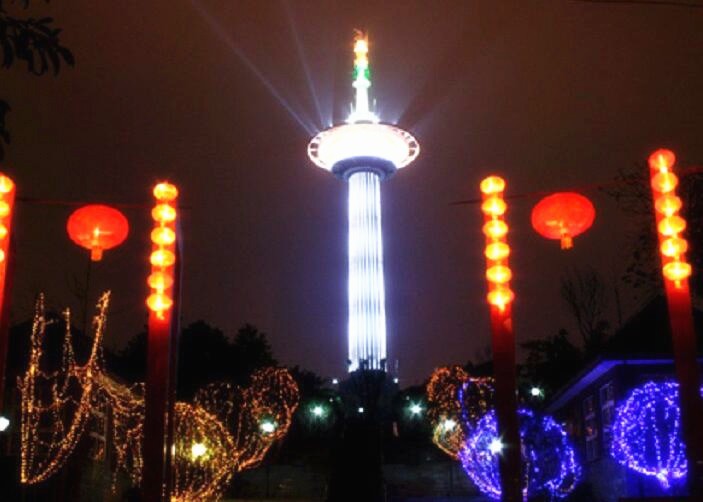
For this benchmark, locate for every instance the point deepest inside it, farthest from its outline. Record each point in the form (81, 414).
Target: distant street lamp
(415, 409)
(536, 392)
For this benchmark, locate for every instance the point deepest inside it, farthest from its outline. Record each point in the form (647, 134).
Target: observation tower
(364, 152)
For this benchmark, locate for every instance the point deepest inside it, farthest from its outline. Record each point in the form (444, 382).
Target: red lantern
(97, 228)
(563, 216)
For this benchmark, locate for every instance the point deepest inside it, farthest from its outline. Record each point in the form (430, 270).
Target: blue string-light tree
(549, 466)
(647, 433)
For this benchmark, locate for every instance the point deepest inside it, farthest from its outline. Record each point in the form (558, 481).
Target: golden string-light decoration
(445, 411)
(56, 404)
(227, 430)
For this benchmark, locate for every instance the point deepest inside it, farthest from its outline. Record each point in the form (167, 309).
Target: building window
(607, 411)
(590, 426)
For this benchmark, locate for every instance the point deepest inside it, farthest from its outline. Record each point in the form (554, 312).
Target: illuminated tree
(647, 433)
(227, 429)
(446, 409)
(549, 465)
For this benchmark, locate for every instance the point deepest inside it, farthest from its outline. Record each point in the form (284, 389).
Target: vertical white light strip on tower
(367, 309)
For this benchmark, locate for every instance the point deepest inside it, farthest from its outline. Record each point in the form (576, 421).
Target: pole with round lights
(7, 204)
(676, 271)
(163, 282)
(500, 298)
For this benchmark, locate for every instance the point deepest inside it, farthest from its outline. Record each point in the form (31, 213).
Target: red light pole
(676, 271)
(164, 283)
(500, 298)
(7, 204)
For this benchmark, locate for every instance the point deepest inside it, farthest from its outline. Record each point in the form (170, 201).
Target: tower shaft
(367, 309)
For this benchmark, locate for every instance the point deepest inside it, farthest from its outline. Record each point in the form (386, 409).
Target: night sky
(221, 97)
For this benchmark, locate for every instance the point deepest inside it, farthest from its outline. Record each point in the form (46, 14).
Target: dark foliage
(32, 41)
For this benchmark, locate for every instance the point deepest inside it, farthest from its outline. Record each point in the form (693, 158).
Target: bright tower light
(4, 423)
(415, 409)
(364, 152)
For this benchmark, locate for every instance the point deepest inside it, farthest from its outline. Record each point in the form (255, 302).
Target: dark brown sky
(216, 95)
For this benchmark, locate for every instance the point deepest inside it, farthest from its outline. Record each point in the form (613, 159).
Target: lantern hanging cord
(582, 188)
(76, 203)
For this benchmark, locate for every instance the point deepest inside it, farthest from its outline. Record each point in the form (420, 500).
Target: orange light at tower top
(498, 273)
(670, 224)
(163, 253)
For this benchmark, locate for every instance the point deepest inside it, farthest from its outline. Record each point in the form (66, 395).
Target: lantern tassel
(567, 242)
(96, 254)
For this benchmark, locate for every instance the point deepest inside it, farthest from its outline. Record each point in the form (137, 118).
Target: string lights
(647, 433)
(163, 254)
(226, 430)
(446, 408)
(549, 466)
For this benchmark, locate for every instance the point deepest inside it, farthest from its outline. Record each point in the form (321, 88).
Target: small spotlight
(4, 423)
(318, 410)
(198, 450)
(395, 380)
(449, 425)
(536, 392)
(361, 409)
(335, 381)
(415, 409)
(496, 446)
(268, 427)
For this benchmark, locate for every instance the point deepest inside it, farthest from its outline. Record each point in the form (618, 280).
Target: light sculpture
(454, 396)
(647, 433)
(97, 228)
(563, 216)
(364, 152)
(549, 466)
(676, 271)
(500, 298)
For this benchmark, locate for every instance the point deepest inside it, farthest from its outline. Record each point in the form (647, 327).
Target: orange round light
(494, 206)
(668, 204)
(500, 297)
(662, 160)
(164, 213)
(492, 184)
(159, 302)
(677, 270)
(3, 231)
(2, 256)
(4, 208)
(165, 192)
(162, 258)
(673, 246)
(497, 251)
(163, 236)
(495, 229)
(6, 184)
(664, 182)
(98, 228)
(562, 216)
(499, 274)
(160, 281)
(671, 225)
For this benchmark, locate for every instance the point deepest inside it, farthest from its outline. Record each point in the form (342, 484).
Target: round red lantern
(97, 227)
(563, 216)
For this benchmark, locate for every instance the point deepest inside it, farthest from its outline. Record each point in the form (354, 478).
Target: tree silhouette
(33, 41)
